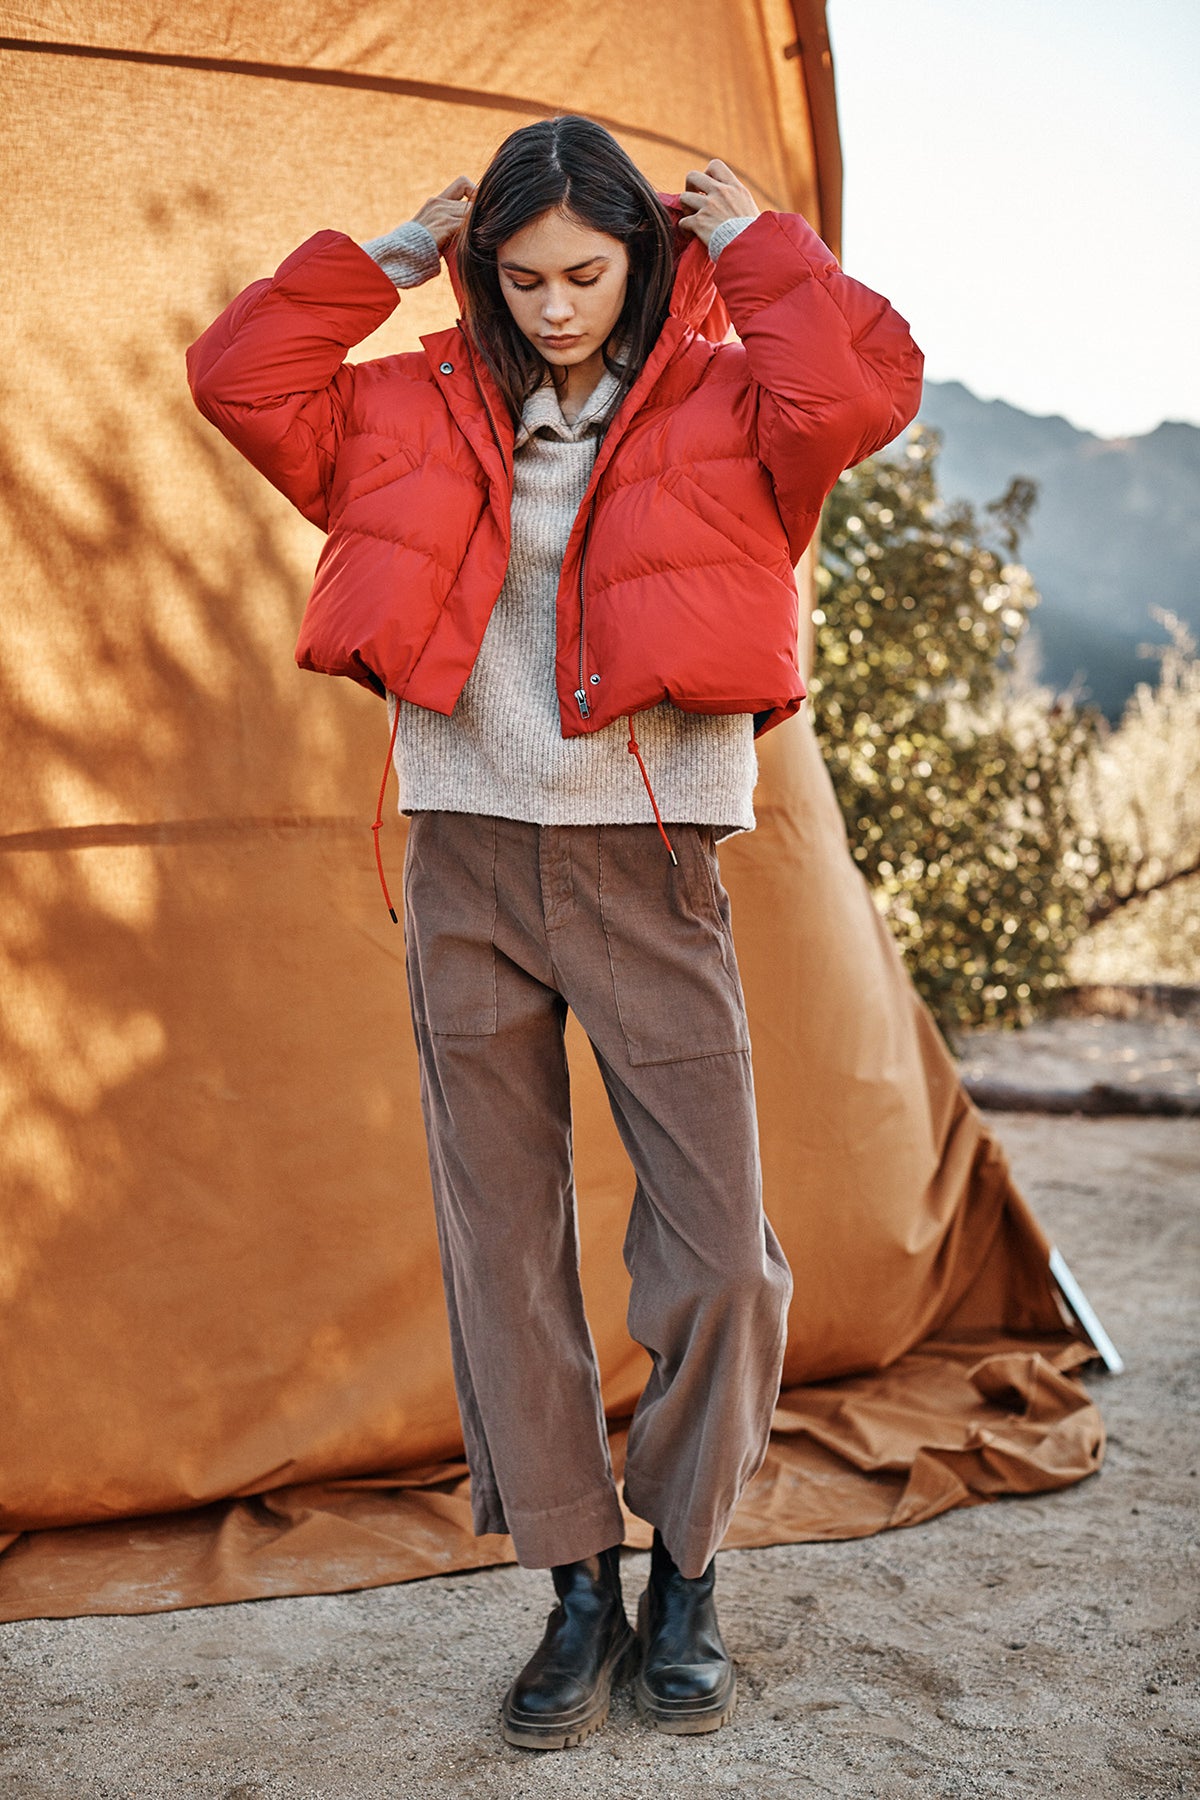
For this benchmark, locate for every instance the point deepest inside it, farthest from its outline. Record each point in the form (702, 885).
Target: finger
(721, 171)
(700, 178)
(460, 186)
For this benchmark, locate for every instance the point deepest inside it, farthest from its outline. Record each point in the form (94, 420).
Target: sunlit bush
(953, 768)
(1138, 798)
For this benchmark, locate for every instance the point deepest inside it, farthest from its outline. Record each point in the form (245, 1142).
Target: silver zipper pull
(583, 705)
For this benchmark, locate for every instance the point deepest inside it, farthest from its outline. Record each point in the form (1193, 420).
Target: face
(564, 284)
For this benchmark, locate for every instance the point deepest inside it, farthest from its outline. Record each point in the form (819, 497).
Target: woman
(577, 506)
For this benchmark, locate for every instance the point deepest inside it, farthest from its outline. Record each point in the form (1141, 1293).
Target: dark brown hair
(571, 163)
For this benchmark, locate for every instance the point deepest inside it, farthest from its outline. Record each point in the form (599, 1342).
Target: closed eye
(527, 287)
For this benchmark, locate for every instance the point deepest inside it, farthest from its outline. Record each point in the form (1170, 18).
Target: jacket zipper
(581, 691)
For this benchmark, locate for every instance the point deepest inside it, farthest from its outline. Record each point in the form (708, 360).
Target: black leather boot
(562, 1694)
(686, 1682)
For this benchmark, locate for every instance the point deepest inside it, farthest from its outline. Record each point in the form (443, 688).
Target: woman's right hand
(447, 211)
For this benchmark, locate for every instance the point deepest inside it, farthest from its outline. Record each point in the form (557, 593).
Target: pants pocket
(449, 922)
(675, 980)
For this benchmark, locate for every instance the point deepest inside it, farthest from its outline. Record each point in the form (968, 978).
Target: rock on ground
(1034, 1647)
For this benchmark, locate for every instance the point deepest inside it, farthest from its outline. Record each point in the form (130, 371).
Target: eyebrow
(573, 270)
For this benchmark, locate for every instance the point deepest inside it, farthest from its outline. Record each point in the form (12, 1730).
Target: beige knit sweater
(501, 751)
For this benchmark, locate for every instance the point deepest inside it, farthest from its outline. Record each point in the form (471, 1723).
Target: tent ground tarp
(221, 1320)
(955, 1423)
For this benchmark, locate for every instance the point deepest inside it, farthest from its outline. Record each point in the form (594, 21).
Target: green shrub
(953, 768)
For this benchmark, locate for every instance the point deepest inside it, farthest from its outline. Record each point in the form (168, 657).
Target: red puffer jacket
(677, 582)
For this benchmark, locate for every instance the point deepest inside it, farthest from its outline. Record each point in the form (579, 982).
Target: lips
(560, 343)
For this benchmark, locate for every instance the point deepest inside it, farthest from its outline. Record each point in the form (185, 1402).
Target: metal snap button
(594, 680)
(447, 368)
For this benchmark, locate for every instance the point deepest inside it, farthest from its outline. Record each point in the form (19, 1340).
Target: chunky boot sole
(562, 1731)
(682, 1718)
(686, 1718)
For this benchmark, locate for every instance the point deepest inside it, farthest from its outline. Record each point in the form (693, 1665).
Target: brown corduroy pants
(508, 925)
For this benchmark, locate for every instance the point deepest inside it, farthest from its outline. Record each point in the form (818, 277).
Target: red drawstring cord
(377, 827)
(632, 747)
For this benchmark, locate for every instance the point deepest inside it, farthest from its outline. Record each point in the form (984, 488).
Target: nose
(558, 307)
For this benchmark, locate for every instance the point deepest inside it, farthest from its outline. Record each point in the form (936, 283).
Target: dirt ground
(1036, 1647)
(1152, 1062)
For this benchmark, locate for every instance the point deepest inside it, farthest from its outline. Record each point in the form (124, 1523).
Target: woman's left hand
(712, 194)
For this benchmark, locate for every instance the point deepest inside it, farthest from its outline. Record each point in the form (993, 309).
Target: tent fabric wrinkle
(222, 1326)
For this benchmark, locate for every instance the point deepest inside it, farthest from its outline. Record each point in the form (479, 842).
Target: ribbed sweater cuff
(725, 232)
(409, 255)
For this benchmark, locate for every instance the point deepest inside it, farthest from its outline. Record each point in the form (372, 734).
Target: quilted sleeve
(835, 372)
(270, 372)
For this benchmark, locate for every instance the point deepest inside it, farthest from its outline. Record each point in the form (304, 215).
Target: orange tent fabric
(222, 1332)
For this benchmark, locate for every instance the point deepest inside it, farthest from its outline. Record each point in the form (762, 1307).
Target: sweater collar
(543, 413)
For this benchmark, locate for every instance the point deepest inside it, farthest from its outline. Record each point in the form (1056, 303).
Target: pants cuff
(563, 1534)
(691, 1543)
(487, 1511)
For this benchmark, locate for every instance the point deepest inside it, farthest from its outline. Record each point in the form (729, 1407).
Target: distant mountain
(1116, 530)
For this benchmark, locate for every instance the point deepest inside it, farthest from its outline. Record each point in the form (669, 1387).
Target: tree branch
(1111, 903)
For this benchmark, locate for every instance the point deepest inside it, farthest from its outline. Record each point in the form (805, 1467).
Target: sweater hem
(722, 828)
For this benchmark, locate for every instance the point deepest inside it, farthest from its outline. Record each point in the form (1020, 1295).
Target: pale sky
(1023, 183)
